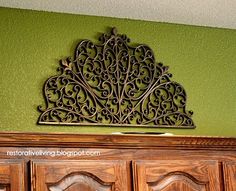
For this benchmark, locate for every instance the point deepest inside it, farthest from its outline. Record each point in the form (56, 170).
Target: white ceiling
(214, 13)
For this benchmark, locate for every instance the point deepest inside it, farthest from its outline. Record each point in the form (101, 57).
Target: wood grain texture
(125, 162)
(178, 182)
(115, 154)
(229, 169)
(177, 175)
(115, 141)
(12, 175)
(80, 181)
(80, 175)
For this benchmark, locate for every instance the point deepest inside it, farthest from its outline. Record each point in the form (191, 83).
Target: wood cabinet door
(229, 170)
(89, 175)
(176, 175)
(12, 174)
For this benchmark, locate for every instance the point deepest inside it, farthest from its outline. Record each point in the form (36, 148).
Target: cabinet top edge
(32, 139)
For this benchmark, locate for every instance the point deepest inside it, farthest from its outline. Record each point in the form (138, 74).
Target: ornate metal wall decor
(112, 83)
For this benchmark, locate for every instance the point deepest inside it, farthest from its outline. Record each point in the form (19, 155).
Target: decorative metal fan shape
(112, 83)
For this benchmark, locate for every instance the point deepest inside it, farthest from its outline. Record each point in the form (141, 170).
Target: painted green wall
(202, 59)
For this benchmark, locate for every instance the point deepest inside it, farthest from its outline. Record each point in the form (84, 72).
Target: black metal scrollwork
(112, 83)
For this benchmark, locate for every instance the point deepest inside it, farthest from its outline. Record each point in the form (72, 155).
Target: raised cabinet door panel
(176, 175)
(12, 174)
(229, 169)
(89, 175)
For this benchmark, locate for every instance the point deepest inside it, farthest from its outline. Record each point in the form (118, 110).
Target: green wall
(202, 59)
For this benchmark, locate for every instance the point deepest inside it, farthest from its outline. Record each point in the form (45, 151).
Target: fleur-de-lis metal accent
(113, 83)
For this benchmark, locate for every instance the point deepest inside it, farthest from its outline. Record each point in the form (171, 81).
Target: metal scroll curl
(114, 84)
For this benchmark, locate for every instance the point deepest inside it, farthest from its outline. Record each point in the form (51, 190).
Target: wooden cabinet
(87, 175)
(177, 175)
(12, 175)
(29, 162)
(229, 169)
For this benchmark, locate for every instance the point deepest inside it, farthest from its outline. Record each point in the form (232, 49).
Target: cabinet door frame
(229, 172)
(155, 172)
(113, 173)
(13, 175)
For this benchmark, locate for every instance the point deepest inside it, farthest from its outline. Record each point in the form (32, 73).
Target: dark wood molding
(18, 139)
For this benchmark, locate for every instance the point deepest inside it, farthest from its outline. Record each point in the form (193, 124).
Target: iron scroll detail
(114, 84)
